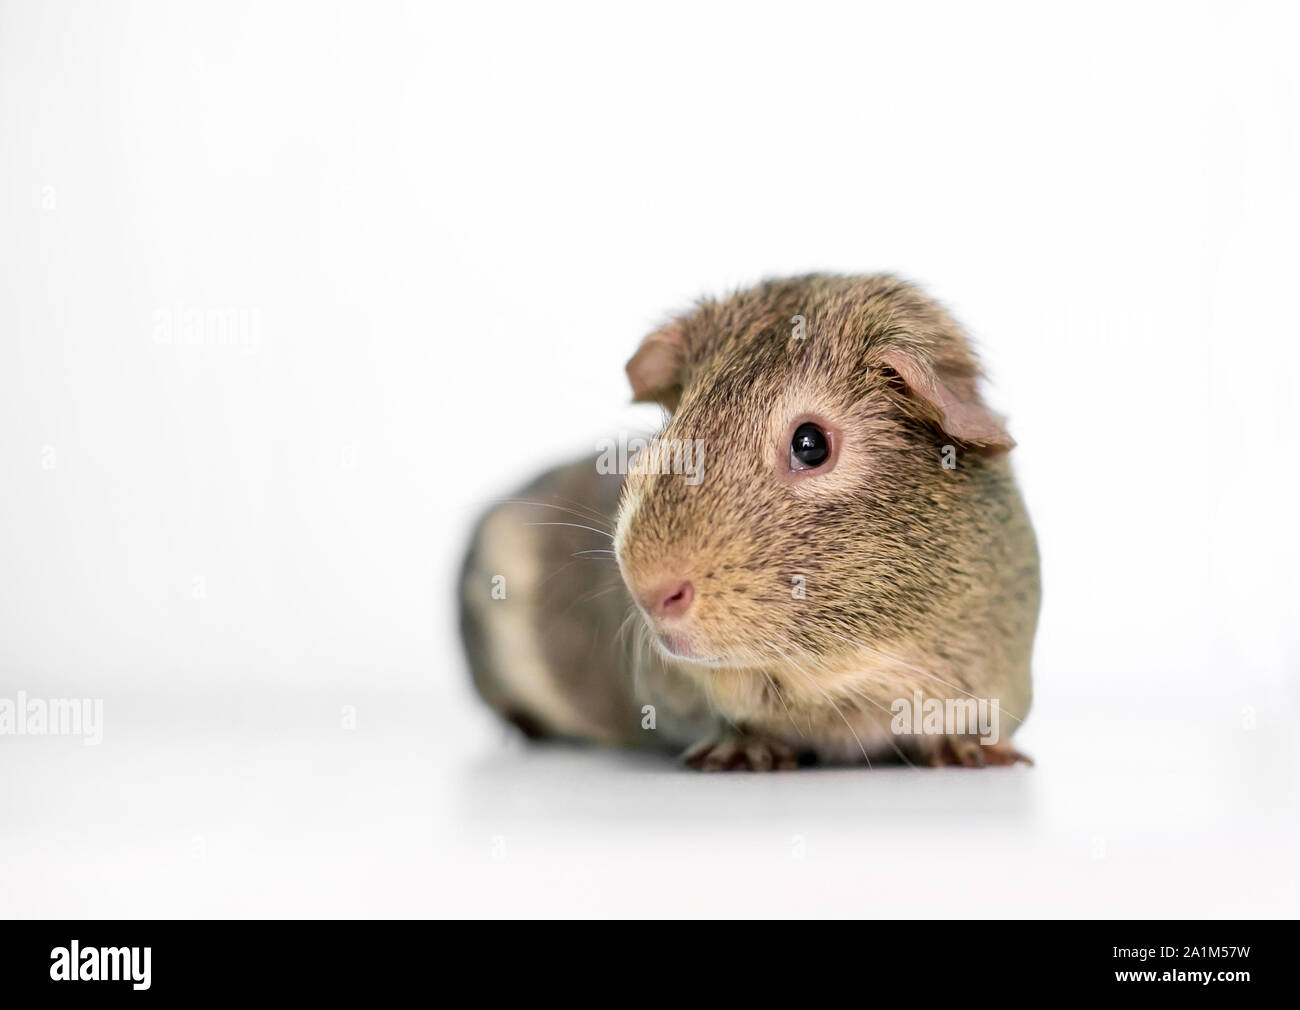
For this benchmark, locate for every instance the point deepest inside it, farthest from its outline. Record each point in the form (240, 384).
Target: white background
(452, 224)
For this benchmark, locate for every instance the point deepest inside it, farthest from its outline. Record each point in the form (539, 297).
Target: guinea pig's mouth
(678, 646)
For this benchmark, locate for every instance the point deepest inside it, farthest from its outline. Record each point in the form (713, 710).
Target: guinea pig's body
(553, 649)
(850, 577)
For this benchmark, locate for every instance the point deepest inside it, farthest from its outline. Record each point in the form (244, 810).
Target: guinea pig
(843, 571)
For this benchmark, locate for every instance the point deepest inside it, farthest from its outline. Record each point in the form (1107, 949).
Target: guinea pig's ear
(656, 369)
(951, 397)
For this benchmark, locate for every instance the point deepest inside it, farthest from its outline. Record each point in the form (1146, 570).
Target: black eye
(809, 448)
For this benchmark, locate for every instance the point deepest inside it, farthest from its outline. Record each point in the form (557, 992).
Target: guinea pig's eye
(809, 448)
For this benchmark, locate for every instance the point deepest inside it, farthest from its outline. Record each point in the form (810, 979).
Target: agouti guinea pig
(823, 555)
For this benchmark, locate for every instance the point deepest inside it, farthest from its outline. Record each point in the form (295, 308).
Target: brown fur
(917, 577)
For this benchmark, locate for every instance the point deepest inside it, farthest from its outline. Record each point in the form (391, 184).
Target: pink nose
(672, 599)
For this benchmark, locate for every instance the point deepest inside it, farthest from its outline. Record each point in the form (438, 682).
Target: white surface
(453, 220)
(265, 807)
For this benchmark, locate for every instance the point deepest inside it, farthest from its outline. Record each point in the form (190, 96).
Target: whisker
(866, 697)
(917, 669)
(595, 515)
(620, 637)
(563, 567)
(576, 526)
(789, 714)
(589, 597)
(817, 687)
(590, 515)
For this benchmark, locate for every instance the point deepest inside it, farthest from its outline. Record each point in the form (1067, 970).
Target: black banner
(143, 960)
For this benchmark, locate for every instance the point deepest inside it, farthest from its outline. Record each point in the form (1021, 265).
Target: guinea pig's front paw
(740, 752)
(968, 752)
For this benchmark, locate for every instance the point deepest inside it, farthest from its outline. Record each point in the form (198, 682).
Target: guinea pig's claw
(968, 752)
(1005, 754)
(740, 753)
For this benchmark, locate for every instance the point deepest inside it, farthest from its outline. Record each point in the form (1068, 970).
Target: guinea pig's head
(816, 486)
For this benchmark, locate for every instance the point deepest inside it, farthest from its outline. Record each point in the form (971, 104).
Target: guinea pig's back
(542, 604)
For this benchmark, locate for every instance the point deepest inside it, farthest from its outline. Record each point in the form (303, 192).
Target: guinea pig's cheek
(623, 537)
